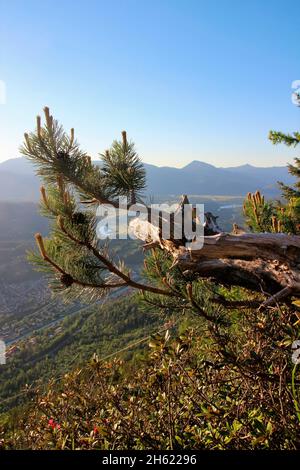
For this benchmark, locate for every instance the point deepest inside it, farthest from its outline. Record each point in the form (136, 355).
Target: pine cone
(62, 156)
(78, 218)
(66, 280)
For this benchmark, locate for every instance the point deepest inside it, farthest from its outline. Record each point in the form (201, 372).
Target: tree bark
(261, 262)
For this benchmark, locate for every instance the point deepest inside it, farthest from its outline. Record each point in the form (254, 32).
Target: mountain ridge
(18, 181)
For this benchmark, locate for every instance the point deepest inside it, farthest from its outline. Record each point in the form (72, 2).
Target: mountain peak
(246, 165)
(18, 165)
(197, 164)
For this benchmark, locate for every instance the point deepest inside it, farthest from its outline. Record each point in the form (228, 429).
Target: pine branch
(123, 171)
(287, 139)
(66, 279)
(112, 268)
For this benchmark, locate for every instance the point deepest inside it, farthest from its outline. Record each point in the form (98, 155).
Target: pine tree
(291, 141)
(79, 265)
(277, 216)
(123, 171)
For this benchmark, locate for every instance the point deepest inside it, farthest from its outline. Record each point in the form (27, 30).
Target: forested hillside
(101, 329)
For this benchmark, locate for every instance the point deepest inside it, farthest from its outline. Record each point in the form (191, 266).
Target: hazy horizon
(177, 166)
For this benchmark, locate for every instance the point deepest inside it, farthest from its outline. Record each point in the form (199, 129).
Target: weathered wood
(263, 262)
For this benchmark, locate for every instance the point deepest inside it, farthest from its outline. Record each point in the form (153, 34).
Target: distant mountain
(19, 183)
(20, 221)
(20, 166)
(205, 179)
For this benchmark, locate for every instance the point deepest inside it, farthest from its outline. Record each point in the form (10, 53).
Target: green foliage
(287, 139)
(270, 216)
(52, 352)
(77, 264)
(295, 392)
(123, 171)
(223, 383)
(57, 155)
(183, 395)
(258, 213)
(291, 141)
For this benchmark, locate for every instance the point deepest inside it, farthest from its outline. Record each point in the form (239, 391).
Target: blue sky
(187, 79)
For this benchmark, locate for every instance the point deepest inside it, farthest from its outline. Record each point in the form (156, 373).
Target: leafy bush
(184, 395)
